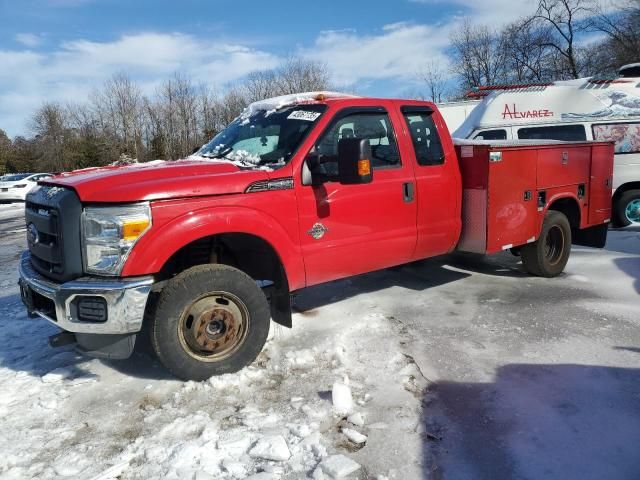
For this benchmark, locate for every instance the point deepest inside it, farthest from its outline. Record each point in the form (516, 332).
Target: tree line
(560, 40)
(118, 122)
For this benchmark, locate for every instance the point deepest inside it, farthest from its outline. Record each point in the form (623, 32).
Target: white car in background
(16, 186)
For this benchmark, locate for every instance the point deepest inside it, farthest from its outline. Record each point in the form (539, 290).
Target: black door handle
(407, 191)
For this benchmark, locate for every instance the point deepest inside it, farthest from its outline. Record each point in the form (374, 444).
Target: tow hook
(61, 339)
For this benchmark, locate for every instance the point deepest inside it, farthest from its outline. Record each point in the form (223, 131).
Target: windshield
(264, 138)
(15, 178)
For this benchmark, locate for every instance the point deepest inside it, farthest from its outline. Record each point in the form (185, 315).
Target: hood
(158, 180)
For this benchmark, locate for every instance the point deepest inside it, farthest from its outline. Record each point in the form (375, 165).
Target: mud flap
(281, 309)
(591, 237)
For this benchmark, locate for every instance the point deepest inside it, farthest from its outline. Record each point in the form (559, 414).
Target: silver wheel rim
(214, 326)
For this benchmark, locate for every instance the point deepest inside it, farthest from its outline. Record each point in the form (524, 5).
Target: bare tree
(50, 126)
(563, 21)
(207, 113)
(119, 108)
(300, 75)
(262, 84)
(5, 151)
(90, 145)
(229, 106)
(434, 76)
(478, 55)
(174, 116)
(526, 56)
(621, 25)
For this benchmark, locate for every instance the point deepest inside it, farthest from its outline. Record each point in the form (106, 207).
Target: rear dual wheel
(210, 320)
(548, 256)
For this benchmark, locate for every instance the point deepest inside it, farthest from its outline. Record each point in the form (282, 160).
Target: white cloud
(76, 67)
(488, 12)
(399, 50)
(28, 39)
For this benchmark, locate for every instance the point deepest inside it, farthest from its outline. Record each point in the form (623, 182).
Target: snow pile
(124, 160)
(342, 399)
(271, 448)
(339, 466)
(354, 436)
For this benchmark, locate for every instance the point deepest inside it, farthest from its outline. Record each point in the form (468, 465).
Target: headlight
(109, 234)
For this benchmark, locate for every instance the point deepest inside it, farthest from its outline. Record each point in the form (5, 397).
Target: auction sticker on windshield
(303, 115)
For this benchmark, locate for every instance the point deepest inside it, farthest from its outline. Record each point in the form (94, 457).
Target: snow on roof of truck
(276, 103)
(582, 100)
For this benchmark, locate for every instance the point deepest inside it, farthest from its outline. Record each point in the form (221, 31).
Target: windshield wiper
(220, 153)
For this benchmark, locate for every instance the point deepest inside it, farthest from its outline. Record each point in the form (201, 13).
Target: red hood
(158, 180)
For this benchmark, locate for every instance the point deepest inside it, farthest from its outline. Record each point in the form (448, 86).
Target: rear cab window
(497, 134)
(424, 135)
(566, 133)
(625, 135)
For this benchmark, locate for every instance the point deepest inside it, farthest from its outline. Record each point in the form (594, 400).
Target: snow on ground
(459, 367)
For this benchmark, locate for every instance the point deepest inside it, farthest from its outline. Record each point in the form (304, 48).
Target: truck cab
(297, 191)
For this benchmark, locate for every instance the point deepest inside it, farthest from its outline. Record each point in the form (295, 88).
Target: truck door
(351, 229)
(438, 186)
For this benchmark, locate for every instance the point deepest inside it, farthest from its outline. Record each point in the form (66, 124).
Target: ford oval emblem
(33, 237)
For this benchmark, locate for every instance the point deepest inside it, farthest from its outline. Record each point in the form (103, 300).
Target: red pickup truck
(295, 192)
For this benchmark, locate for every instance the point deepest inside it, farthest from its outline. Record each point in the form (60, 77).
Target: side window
(567, 133)
(498, 134)
(625, 135)
(424, 136)
(373, 126)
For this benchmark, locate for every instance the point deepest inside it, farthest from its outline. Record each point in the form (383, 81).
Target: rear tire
(548, 256)
(210, 320)
(627, 209)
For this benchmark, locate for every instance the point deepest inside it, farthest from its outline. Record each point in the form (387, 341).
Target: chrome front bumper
(126, 299)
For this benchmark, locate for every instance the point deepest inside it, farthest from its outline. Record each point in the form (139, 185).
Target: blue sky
(61, 50)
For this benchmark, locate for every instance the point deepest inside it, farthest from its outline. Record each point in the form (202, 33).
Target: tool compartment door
(562, 166)
(512, 217)
(600, 184)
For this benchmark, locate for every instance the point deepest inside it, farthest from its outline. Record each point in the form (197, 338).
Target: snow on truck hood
(158, 180)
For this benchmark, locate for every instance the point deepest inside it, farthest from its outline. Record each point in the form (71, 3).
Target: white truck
(455, 113)
(574, 110)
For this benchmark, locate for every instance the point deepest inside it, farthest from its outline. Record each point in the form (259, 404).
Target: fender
(156, 247)
(562, 195)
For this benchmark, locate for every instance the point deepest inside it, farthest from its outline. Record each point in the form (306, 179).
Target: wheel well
(570, 208)
(249, 253)
(625, 188)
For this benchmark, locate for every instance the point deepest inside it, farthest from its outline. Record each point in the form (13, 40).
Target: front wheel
(210, 320)
(627, 209)
(548, 256)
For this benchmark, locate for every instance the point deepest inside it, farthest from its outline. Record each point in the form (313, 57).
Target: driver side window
(373, 126)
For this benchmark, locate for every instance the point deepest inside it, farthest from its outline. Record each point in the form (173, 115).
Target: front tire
(627, 209)
(548, 256)
(210, 320)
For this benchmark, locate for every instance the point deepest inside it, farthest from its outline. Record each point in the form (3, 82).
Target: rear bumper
(125, 298)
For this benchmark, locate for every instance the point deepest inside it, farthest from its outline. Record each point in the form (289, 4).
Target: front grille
(52, 216)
